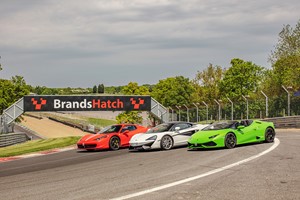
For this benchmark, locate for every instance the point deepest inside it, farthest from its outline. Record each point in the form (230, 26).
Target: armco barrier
(12, 138)
(285, 122)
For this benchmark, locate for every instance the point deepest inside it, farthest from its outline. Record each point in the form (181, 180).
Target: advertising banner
(87, 103)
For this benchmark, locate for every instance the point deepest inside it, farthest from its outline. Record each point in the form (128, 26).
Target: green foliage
(286, 71)
(129, 117)
(11, 91)
(113, 89)
(100, 88)
(173, 91)
(286, 60)
(206, 84)
(134, 89)
(288, 43)
(100, 122)
(132, 116)
(37, 145)
(241, 78)
(95, 89)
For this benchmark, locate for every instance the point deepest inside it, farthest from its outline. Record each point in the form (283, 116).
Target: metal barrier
(12, 138)
(285, 122)
(159, 111)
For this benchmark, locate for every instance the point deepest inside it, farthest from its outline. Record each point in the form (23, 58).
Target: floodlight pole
(197, 112)
(231, 108)
(187, 113)
(219, 108)
(172, 113)
(206, 111)
(288, 111)
(246, 104)
(267, 112)
(178, 107)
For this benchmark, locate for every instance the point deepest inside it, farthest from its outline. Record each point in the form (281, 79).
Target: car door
(246, 132)
(126, 133)
(182, 133)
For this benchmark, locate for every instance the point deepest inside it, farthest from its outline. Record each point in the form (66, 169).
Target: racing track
(113, 174)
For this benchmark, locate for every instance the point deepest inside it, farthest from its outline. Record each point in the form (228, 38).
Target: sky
(74, 43)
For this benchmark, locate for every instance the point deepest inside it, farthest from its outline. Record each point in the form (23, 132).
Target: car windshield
(219, 125)
(160, 128)
(110, 129)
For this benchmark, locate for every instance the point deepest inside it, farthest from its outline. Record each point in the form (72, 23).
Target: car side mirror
(240, 127)
(177, 128)
(127, 131)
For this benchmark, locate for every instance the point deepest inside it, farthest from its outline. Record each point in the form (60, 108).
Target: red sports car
(111, 137)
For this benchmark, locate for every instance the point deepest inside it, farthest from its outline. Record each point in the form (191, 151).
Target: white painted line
(276, 143)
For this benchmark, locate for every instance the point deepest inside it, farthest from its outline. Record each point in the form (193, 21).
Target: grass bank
(38, 145)
(73, 119)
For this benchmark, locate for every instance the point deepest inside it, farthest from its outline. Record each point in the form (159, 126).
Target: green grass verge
(37, 145)
(81, 120)
(101, 122)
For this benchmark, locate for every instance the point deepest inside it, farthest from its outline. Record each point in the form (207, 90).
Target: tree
(20, 87)
(285, 60)
(6, 91)
(132, 116)
(242, 78)
(206, 84)
(95, 89)
(129, 117)
(100, 88)
(134, 89)
(11, 91)
(288, 43)
(0, 65)
(173, 91)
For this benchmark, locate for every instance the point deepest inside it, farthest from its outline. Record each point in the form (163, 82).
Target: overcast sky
(75, 43)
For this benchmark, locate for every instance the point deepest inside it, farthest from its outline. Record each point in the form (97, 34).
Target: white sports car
(165, 136)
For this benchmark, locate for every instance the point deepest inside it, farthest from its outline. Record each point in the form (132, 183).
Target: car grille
(86, 146)
(208, 144)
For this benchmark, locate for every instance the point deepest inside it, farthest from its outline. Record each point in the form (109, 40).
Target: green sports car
(231, 133)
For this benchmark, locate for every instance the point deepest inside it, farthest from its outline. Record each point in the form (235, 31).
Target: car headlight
(97, 139)
(213, 136)
(152, 138)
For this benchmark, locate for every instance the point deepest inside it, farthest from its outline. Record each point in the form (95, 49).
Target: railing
(14, 111)
(159, 111)
(285, 122)
(12, 138)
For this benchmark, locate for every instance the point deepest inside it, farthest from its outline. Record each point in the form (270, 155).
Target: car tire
(166, 142)
(269, 135)
(230, 141)
(114, 143)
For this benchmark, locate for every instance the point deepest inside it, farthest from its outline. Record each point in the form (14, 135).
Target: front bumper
(210, 144)
(141, 146)
(90, 146)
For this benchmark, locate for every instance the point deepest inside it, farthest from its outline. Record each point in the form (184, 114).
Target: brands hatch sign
(87, 103)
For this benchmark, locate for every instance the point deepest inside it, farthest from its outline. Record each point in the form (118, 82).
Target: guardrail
(84, 128)
(285, 122)
(12, 138)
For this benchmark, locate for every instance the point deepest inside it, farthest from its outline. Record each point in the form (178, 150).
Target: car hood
(142, 137)
(91, 137)
(205, 135)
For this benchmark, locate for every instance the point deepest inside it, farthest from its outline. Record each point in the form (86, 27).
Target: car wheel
(269, 135)
(230, 140)
(114, 143)
(166, 142)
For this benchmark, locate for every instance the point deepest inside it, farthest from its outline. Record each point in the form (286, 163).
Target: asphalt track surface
(119, 174)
